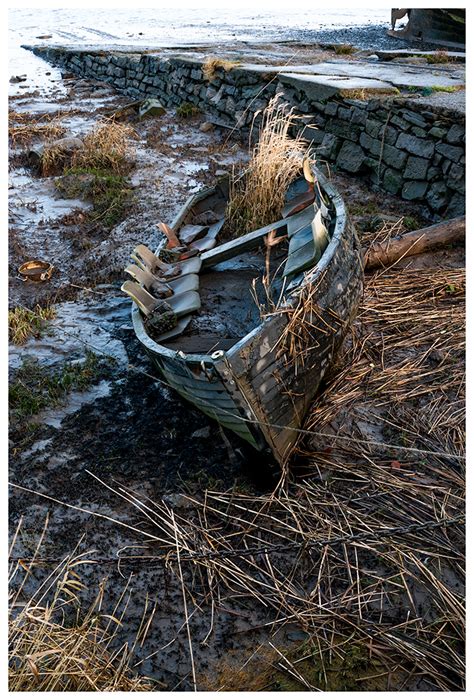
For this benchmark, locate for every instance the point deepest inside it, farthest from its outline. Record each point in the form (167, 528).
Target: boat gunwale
(309, 278)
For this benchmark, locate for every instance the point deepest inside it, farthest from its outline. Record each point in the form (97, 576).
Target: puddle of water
(75, 400)
(37, 446)
(35, 200)
(79, 326)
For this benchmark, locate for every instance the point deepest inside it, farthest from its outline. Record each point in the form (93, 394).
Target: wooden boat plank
(239, 245)
(300, 220)
(199, 389)
(305, 235)
(237, 424)
(215, 229)
(189, 232)
(303, 258)
(298, 203)
(254, 349)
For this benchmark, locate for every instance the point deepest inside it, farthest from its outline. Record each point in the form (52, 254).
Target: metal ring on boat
(217, 354)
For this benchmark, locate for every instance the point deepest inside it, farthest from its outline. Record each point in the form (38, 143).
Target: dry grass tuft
(343, 49)
(23, 323)
(23, 129)
(257, 195)
(438, 57)
(211, 65)
(106, 147)
(57, 645)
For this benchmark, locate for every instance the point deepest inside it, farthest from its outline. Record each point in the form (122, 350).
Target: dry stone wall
(400, 144)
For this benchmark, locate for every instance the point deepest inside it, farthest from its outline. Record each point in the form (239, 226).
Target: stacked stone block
(399, 144)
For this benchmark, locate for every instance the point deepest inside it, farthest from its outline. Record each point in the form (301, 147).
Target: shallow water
(80, 325)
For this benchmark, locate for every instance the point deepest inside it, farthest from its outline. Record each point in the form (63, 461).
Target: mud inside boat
(231, 293)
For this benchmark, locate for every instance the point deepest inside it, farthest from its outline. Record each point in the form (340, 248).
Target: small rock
(18, 78)
(44, 36)
(297, 636)
(176, 500)
(351, 157)
(151, 108)
(206, 126)
(414, 189)
(202, 432)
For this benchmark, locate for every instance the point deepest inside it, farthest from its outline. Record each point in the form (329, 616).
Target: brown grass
(409, 342)
(57, 644)
(23, 323)
(211, 65)
(438, 57)
(106, 147)
(23, 128)
(343, 49)
(257, 195)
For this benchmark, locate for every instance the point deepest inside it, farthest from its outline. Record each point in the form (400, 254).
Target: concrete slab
(385, 55)
(322, 87)
(398, 75)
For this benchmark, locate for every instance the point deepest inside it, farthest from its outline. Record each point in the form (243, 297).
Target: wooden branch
(415, 242)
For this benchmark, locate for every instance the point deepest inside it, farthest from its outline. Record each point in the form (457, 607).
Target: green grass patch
(411, 223)
(35, 387)
(187, 110)
(110, 194)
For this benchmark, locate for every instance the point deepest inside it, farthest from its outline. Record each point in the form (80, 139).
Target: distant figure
(398, 14)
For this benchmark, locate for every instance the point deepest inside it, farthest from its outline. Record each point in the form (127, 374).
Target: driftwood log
(415, 242)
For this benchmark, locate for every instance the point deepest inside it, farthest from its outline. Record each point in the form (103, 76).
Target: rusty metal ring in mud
(35, 271)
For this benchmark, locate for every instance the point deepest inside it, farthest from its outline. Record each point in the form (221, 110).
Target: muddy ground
(125, 427)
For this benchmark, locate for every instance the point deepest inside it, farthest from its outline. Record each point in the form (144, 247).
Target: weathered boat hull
(255, 389)
(445, 27)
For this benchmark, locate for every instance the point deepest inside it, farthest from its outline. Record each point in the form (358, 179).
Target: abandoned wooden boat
(253, 338)
(445, 27)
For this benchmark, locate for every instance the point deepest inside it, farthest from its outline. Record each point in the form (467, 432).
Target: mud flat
(122, 435)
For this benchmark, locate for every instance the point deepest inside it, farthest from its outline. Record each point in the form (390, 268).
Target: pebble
(206, 126)
(202, 432)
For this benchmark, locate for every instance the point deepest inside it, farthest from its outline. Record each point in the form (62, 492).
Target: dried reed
(343, 558)
(212, 64)
(408, 342)
(257, 195)
(23, 129)
(57, 645)
(23, 323)
(106, 147)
